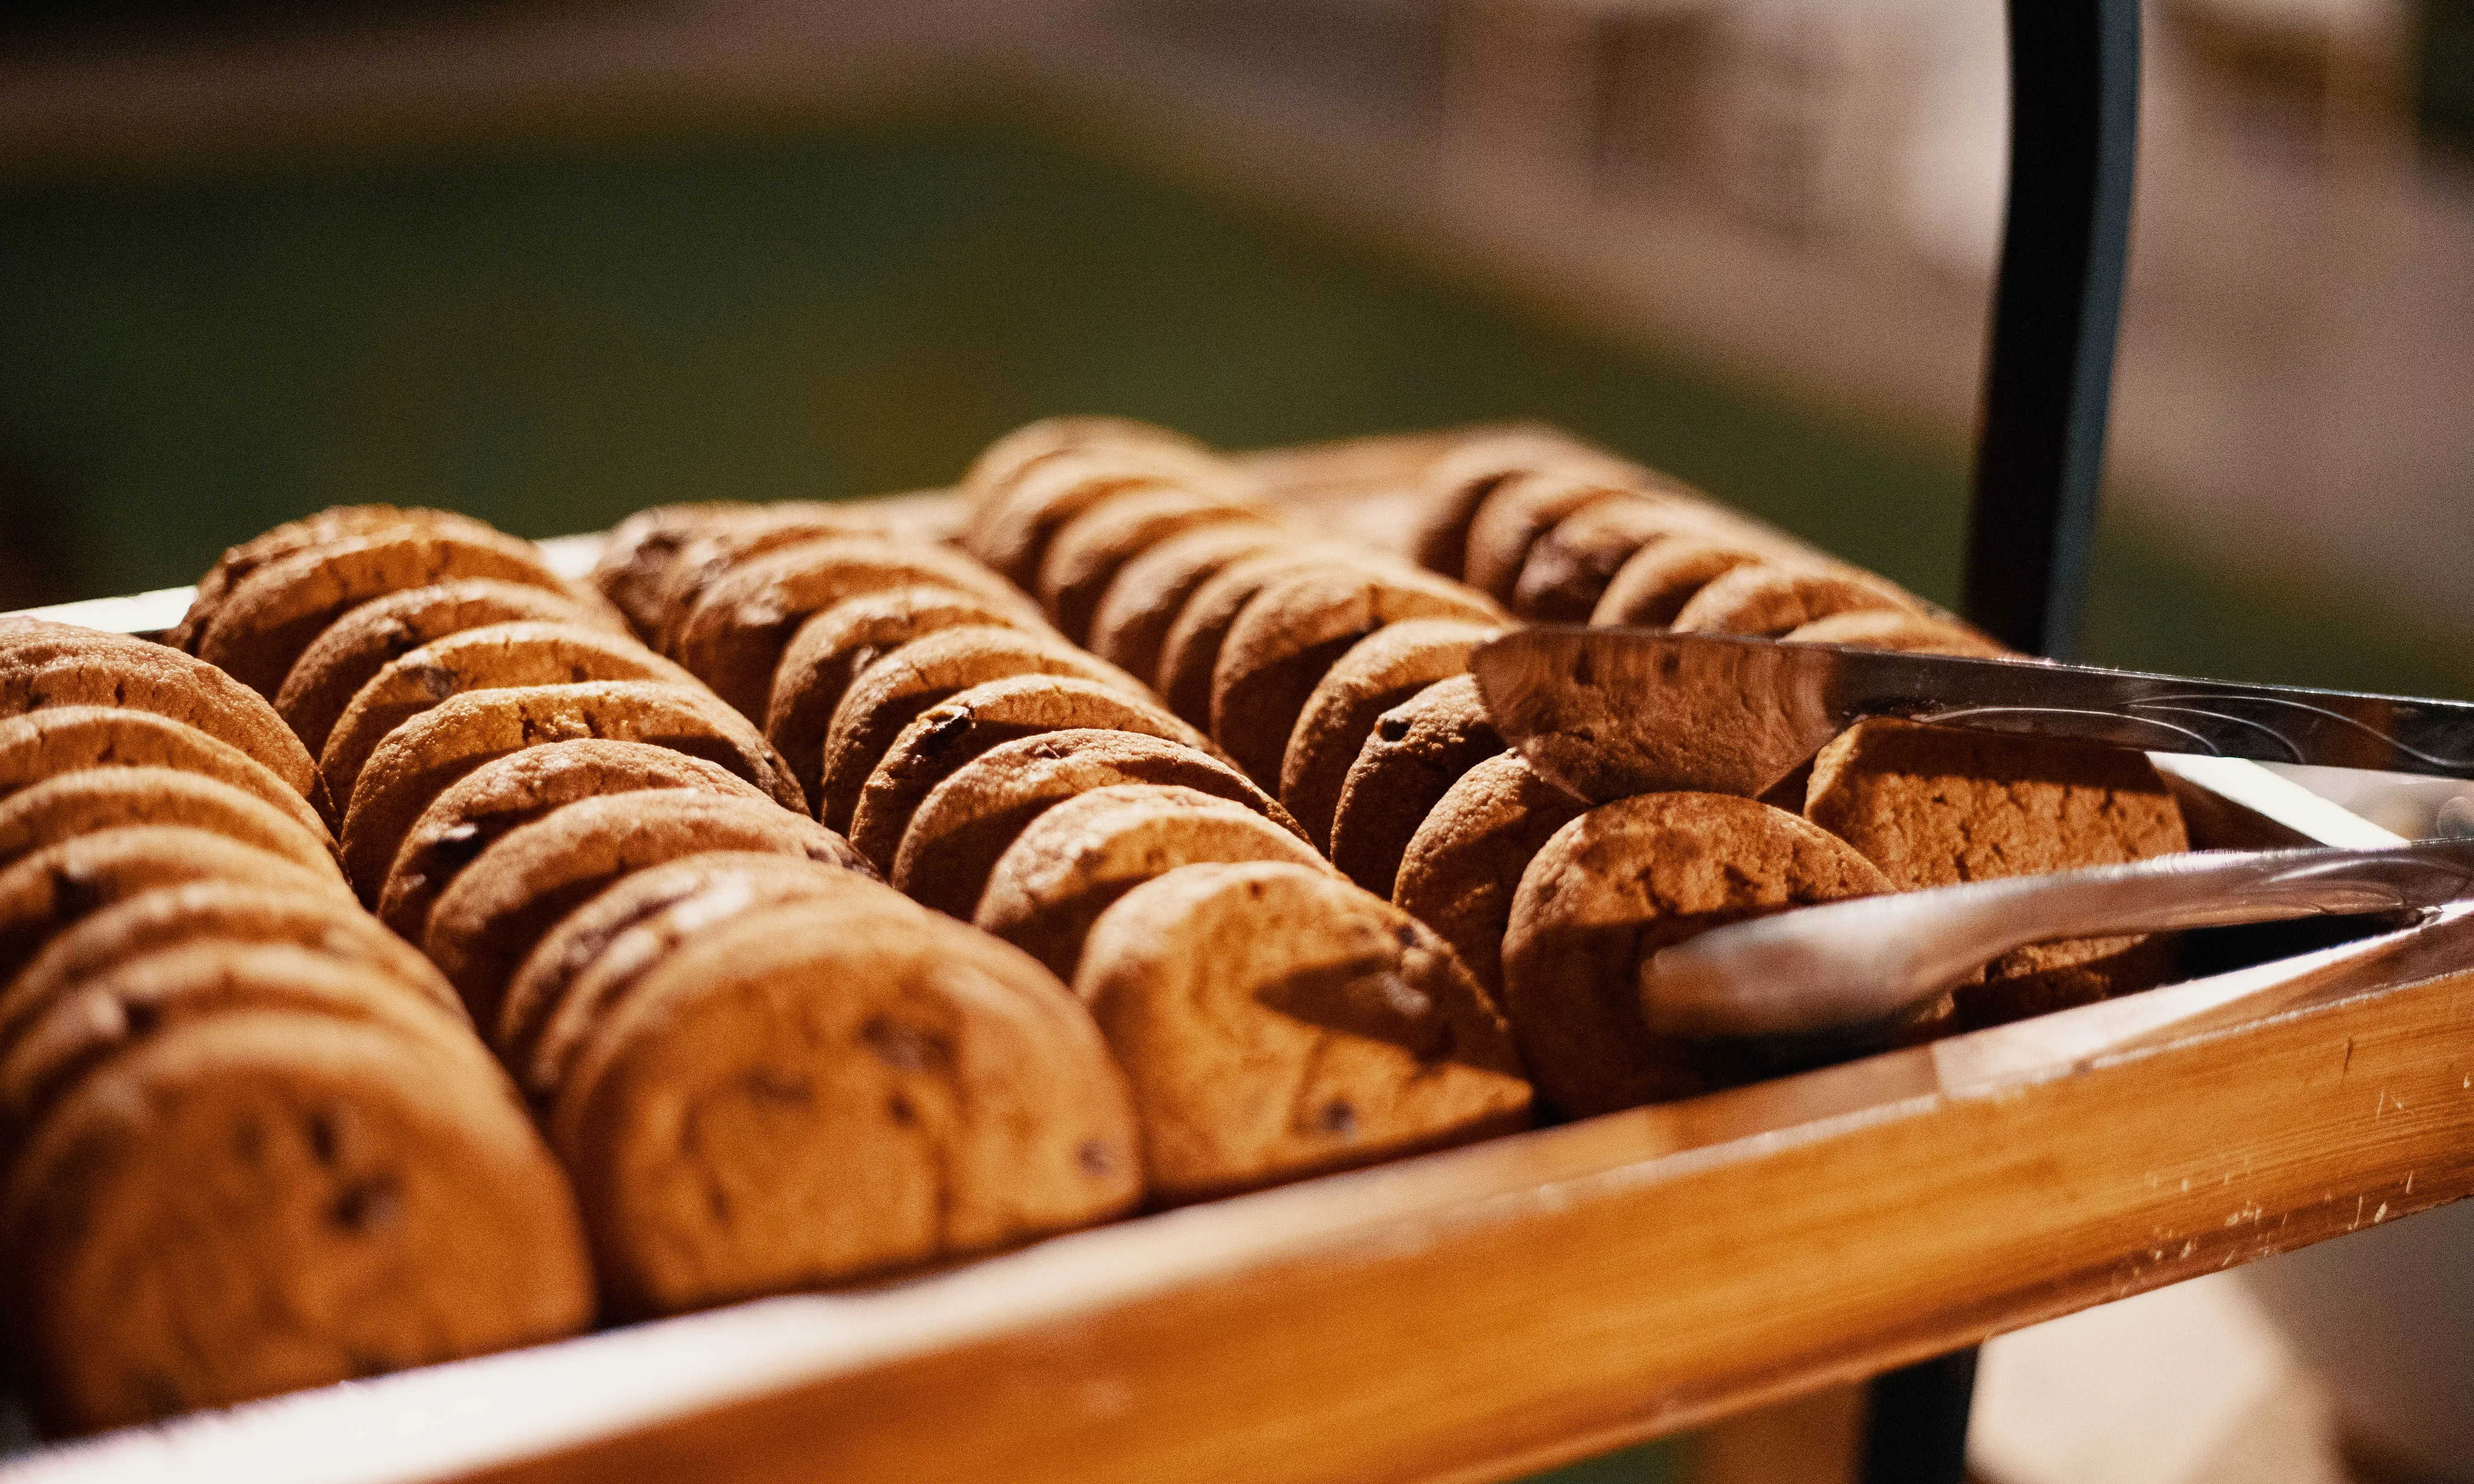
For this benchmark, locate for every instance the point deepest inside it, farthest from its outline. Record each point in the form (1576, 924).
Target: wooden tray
(1475, 1314)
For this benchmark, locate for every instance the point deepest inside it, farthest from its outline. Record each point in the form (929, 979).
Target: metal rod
(2074, 131)
(2040, 456)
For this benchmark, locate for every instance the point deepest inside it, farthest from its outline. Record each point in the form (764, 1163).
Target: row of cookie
(405, 647)
(1562, 533)
(252, 1141)
(764, 1069)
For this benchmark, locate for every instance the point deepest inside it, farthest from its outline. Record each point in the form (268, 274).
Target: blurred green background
(551, 336)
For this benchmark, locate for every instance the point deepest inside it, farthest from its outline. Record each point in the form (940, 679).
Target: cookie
(343, 522)
(1290, 633)
(419, 760)
(1006, 460)
(1618, 884)
(52, 889)
(1190, 655)
(1769, 601)
(1276, 1022)
(637, 561)
(355, 647)
(1462, 866)
(1089, 550)
(1936, 806)
(875, 1088)
(734, 635)
(892, 692)
(79, 804)
(1416, 752)
(1897, 630)
(980, 807)
(260, 1202)
(1650, 589)
(1458, 483)
(470, 814)
(50, 665)
(1379, 672)
(724, 545)
(956, 730)
(495, 657)
(1130, 626)
(594, 956)
(1515, 514)
(223, 912)
(71, 739)
(70, 1034)
(271, 618)
(496, 909)
(832, 646)
(1568, 567)
(1011, 532)
(1070, 862)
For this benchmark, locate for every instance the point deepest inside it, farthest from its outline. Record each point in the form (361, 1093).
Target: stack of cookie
(568, 823)
(253, 1142)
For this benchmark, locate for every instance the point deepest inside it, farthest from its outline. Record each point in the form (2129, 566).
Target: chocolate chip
(1095, 1158)
(905, 1047)
(898, 1108)
(323, 1145)
(1392, 729)
(367, 1205)
(1339, 1117)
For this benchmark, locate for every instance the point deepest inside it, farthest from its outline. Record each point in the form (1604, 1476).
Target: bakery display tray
(1479, 1313)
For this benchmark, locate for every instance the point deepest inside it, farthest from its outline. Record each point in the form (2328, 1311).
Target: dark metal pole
(2048, 375)
(2073, 130)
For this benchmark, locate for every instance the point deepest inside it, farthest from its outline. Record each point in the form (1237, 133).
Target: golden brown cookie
(70, 740)
(725, 545)
(636, 562)
(65, 1037)
(734, 635)
(1070, 862)
(891, 693)
(1456, 484)
(1651, 587)
(470, 814)
(1011, 532)
(343, 522)
(496, 909)
(1004, 462)
(416, 763)
(1190, 655)
(495, 657)
(1416, 752)
(1770, 601)
(973, 813)
(52, 889)
(80, 804)
(271, 618)
(226, 912)
(956, 730)
(1379, 672)
(594, 956)
(1568, 567)
(835, 645)
(46, 665)
(1089, 550)
(1936, 806)
(1291, 632)
(258, 1202)
(1462, 866)
(355, 647)
(1618, 884)
(1895, 629)
(1277, 1022)
(1130, 627)
(875, 1088)
(1515, 514)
